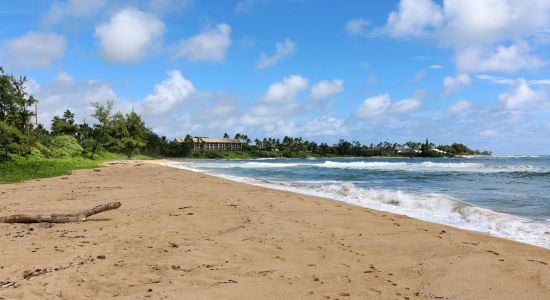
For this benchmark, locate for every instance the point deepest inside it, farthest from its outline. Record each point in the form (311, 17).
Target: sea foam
(379, 166)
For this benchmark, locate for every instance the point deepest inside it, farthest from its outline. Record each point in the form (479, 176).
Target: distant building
(204, 143)
(409, 151)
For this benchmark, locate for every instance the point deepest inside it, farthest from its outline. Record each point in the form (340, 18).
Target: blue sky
(472, 71)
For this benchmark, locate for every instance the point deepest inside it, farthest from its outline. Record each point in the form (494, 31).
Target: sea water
(507, 197)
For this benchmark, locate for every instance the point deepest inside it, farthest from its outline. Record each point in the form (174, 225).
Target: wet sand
(184, 235)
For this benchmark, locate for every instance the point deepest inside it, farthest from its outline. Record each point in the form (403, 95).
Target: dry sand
(184, 235)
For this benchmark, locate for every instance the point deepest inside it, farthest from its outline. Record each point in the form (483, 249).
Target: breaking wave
(380, 166)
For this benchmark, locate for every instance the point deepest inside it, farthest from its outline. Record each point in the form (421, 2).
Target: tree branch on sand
(79, 216)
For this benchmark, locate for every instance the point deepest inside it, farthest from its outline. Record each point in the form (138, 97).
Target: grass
(19, 168)
(22, 168)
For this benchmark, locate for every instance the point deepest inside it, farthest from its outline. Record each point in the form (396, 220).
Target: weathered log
(79, 216)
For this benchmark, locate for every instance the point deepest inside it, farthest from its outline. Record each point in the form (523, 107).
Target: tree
(180, 149)
(9, 137)
(225, 135)
(343, 147)
(155, 144)
(135, 134)
(64, 125)
(15, 103)
(100, 131)
(84, 135)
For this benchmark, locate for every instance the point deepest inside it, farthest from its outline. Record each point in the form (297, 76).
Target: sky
(469, 71)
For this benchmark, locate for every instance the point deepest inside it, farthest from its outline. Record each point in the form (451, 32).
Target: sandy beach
(185, 235)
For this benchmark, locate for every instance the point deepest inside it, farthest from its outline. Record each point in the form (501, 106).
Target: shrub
(41, 150)
(62, 146)
(12, 140)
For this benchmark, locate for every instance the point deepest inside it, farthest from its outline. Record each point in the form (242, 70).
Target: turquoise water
(502, 196)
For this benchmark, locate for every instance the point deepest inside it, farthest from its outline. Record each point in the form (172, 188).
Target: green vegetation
(24, 168)
(290, 147)
(28, 150)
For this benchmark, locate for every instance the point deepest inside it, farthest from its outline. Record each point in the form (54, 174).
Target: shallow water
(502, 196)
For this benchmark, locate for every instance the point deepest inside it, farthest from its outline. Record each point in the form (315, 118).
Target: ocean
(507, 197)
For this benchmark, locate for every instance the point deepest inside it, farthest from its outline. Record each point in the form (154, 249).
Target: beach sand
(185, 235)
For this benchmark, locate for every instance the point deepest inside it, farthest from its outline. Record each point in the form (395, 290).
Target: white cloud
(414, 18)
(539, 81)
(489, 133)
(277, 104)
(282, 50)
(171, 91)
(321, 126)
(503, 59)
(63, 76)
(495, 79)
(473, 28)
(419, 76)
(129, 35)
(159, 109)
(326, 88)
(380, 105)
(521, 96)
(459, 107)
(357, 26)
(216, 111)
(436, 67)
(64, 93)
(33, 50)
(509, 81)
(268, 114)
(73, 9)
(210, 45)
(451, 85)
(31, 86)
(406, 106)
(286, 90)
(324, 126)
(484, 22)
(373, 107)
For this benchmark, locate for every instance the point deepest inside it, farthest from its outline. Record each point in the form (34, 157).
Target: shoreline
(235, 240)
(476, 226)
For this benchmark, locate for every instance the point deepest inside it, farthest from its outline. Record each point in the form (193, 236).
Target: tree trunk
(79, 216)
(96, 146)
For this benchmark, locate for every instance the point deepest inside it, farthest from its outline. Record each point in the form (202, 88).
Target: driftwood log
(79, 216)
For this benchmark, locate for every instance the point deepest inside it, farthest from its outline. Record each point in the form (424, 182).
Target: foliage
(41, 150)
(63, 146)
(25, 168)
(128, 134)
(15, 103)
(12, 140)
(99, 134)
(179, 149)
(64, 125)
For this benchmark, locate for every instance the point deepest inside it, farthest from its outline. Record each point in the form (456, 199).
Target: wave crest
(431, 207)
(427, 166)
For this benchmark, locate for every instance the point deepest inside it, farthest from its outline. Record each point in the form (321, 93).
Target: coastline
(431, 206)
(237, 241)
